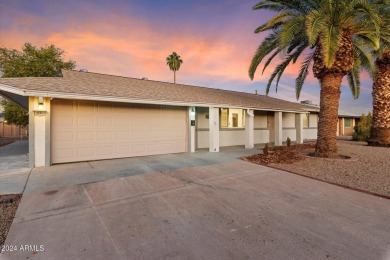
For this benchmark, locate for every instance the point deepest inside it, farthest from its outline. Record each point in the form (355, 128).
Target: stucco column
(342, 126)
(213, 129)
(278, 129)
(39, 131)
(31, 132)
(338, 127)
(249, 129)
(299, 128)
(191, 129)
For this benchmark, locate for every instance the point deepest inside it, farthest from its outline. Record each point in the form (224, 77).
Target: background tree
(30, 62)
(33, 62)
(324, 31)
(13, 114)
(174, 61)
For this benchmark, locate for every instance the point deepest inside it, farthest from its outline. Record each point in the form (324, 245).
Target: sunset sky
(132, 38)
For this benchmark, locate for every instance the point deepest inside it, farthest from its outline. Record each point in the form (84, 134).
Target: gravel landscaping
(8, 206)
(368, 169)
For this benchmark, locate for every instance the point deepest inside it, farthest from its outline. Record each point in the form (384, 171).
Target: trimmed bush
(266, 149)
(362, 130)
(288, 142)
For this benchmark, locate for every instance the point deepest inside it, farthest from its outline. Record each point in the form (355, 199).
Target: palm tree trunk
(326, 145)
(174, 76)
(380, 129)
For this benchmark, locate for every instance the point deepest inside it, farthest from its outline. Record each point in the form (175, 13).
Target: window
(232, 118)
(224, 117)
(235, 119)
(347, 122)
(306, 121)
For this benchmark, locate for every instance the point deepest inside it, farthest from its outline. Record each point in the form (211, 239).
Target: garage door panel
(64, 136)
(121, 135)
(85, 151)
(97, 130)
(104, 151)
(85, 136)
(104, 108)
(64, 154)
(104, 136)
(63, 120)
(85, 107)
(122, 121)
(104, 121)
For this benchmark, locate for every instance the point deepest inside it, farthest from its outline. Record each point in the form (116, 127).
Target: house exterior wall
(261, 119)
(288, 126)
(288, 120)
(313, 120)
(289, 133)
(348, 131)
(309, 133)
(231, 137)
(342, 129)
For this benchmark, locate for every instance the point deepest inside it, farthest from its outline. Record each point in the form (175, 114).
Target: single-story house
(84, 116)
(346, 123)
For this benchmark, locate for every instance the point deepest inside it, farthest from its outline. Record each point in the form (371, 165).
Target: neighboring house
(346, 123)
(88, 116)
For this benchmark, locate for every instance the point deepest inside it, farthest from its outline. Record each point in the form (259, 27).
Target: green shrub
(362, 130)
(288, 142)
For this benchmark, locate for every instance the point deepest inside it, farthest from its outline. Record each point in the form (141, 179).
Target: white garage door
(82, 130)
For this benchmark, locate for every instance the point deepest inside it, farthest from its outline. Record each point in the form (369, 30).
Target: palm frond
(354, 82)
(314, 24)
(278, 72)
(303, 72)
(266, 47)
(330, 39)
(270, 59)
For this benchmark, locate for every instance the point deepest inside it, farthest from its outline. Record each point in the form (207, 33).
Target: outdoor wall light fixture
(40, 103)
(40, 109)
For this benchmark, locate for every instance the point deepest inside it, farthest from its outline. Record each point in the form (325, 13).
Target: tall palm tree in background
(323, 31)
(174, 61)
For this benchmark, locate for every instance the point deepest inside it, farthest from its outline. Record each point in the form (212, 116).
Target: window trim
(228, 113)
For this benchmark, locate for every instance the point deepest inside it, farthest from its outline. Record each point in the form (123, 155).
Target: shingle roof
(101, 85)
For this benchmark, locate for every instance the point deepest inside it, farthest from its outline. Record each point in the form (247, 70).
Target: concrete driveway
(14, 168)
(193, 206)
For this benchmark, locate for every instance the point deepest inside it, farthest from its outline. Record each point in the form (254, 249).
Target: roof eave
(34, 93)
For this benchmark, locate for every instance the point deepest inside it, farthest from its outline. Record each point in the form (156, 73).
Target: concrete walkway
(161, 207)
(14, 168)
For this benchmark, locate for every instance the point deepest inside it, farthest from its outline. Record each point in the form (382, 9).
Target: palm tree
(380, 129)
(174, 61)
(324, 30)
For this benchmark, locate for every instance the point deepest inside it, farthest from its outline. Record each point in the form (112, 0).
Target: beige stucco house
(346, 123)
(84, 116)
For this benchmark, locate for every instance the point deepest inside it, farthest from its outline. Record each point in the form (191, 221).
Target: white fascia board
(33, 93)
(13, 90)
